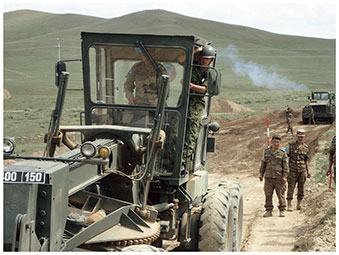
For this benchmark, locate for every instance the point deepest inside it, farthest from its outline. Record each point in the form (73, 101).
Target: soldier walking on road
(289, 123)
(274, 168)
(332, 159)
(299, 157)
(288, 111)
(311, 119)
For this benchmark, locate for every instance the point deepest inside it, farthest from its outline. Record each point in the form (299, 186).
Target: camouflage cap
(277, 137)
(300, 132)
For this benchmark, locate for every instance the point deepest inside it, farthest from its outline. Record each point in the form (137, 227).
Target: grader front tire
(235, 190)
(216, 222)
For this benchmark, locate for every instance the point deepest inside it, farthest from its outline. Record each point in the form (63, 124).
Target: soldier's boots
(282, 214)
(268, 214)
(289, 206)
(299, 205)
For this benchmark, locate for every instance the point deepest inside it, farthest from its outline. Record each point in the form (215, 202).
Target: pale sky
(312, 18)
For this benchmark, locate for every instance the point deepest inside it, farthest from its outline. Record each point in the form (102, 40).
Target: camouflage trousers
(289, 128)
(270, 185)
(311, 120)
(170, 147)
(192, 128)
(195, 111)
(293, 179)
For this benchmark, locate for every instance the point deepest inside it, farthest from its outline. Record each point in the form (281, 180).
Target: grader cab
(120, 186)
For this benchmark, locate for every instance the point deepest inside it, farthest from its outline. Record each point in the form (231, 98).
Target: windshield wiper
(149, 58)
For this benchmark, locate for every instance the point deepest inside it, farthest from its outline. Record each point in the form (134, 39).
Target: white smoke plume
(260, 75)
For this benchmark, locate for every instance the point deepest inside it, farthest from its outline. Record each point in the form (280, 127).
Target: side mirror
(214, 127)
(213, 82)
(59, 68)
(9, 145)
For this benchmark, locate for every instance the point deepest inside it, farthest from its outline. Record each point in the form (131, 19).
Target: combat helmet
(208, 52)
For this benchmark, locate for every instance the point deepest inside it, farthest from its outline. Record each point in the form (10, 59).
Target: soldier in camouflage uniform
(289, 123)
(274, 167)
(288, 111)
(198, 88)
(311, 118)
(332, 159)
(299, 157)
(141, 85)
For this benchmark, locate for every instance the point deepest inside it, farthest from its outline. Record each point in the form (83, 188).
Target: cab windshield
(125, 84)
(125, 87)
(321, 96)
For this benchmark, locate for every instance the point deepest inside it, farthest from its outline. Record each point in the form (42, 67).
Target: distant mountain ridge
(24, 24)
(30, 40)
(249, 60)
(18, 23)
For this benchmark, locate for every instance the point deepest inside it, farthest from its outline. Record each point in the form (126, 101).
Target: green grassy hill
(250, 61)
(25, 24)
(30, 39)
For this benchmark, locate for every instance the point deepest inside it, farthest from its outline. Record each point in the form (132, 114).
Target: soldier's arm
(330, 159)
(332, 151)
(329, 168)
(154, 100)
(181, 58)
(285, 168)
(307, 169)
(262, 169)
(289, 150)
(198, 88)
(307, 164)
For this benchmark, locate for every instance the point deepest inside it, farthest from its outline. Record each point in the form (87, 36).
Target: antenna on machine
(58, 46)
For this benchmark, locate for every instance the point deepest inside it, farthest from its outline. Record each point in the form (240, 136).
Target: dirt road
(240, 144)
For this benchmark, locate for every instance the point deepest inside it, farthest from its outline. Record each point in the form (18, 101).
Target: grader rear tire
(235, 190)
(216, 222)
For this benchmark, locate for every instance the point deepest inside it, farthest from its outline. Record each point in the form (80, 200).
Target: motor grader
(114, 188)
(323, 105)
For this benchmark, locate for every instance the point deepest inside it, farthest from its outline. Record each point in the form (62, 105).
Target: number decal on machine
(24, 177)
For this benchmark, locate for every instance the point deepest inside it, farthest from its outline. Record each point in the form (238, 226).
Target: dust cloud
(260, 75)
